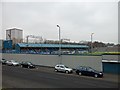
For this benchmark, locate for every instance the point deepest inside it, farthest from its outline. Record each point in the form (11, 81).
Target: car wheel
(96, 76)
(13, 65)
(80, 73)
(67, 72)
(56, 70)
(28, 67)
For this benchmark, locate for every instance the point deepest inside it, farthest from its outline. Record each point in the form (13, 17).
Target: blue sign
(7, 44)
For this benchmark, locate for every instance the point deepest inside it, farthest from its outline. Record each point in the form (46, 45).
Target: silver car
(12, 62)
(63, 68)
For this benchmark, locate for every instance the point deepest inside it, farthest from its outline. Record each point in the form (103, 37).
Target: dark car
(88, 71)
(27, 65)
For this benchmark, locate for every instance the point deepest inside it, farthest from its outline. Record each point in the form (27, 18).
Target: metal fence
(53, 52)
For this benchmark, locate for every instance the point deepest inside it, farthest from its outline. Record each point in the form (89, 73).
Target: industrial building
(1, 45)
(14, 34)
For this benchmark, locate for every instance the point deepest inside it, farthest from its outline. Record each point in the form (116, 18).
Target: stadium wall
(51, 60)
(111, 57)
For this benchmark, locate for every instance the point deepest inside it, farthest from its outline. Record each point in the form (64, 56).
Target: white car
(63, 68)
(12, 62)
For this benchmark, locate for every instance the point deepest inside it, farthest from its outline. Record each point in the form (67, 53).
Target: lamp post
(91, 42)
(27, 39)
(59, 41)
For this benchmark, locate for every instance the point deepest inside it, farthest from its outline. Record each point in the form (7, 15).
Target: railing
(44, 52)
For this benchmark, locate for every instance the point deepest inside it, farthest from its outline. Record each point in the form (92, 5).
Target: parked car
(63, 68)
(88, 71)
(27, 65)
(3, 61)
(12, 62)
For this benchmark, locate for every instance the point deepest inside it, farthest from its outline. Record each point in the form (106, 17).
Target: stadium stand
(50, 48)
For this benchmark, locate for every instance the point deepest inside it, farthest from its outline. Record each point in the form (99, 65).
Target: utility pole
(91, 42)
(59, 40)
(60, 45)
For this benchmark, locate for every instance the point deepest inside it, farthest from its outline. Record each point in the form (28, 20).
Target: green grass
(98, 53)
(105, 53)
(112, 53)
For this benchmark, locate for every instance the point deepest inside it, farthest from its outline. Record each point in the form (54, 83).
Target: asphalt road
(17, 77)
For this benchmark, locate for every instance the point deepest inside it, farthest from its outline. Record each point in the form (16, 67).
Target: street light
(91, 41)
(59, 41)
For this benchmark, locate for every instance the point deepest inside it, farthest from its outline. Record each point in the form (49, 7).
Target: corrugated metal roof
(51, 45)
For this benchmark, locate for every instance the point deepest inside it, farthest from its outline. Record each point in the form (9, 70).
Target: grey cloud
(77, 20)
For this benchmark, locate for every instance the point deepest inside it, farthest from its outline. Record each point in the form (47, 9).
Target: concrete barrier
(0, 72)
(51, 60)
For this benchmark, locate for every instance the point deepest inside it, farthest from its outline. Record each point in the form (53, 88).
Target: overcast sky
(76, 19)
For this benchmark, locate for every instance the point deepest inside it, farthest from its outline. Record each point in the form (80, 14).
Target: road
(17, 77)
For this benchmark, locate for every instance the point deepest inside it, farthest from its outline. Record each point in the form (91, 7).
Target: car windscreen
(29, 63)
(91, 69)
(66, 66)
(13, 61)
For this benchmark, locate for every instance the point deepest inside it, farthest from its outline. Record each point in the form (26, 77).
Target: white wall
(111, 57)
(51, 60)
